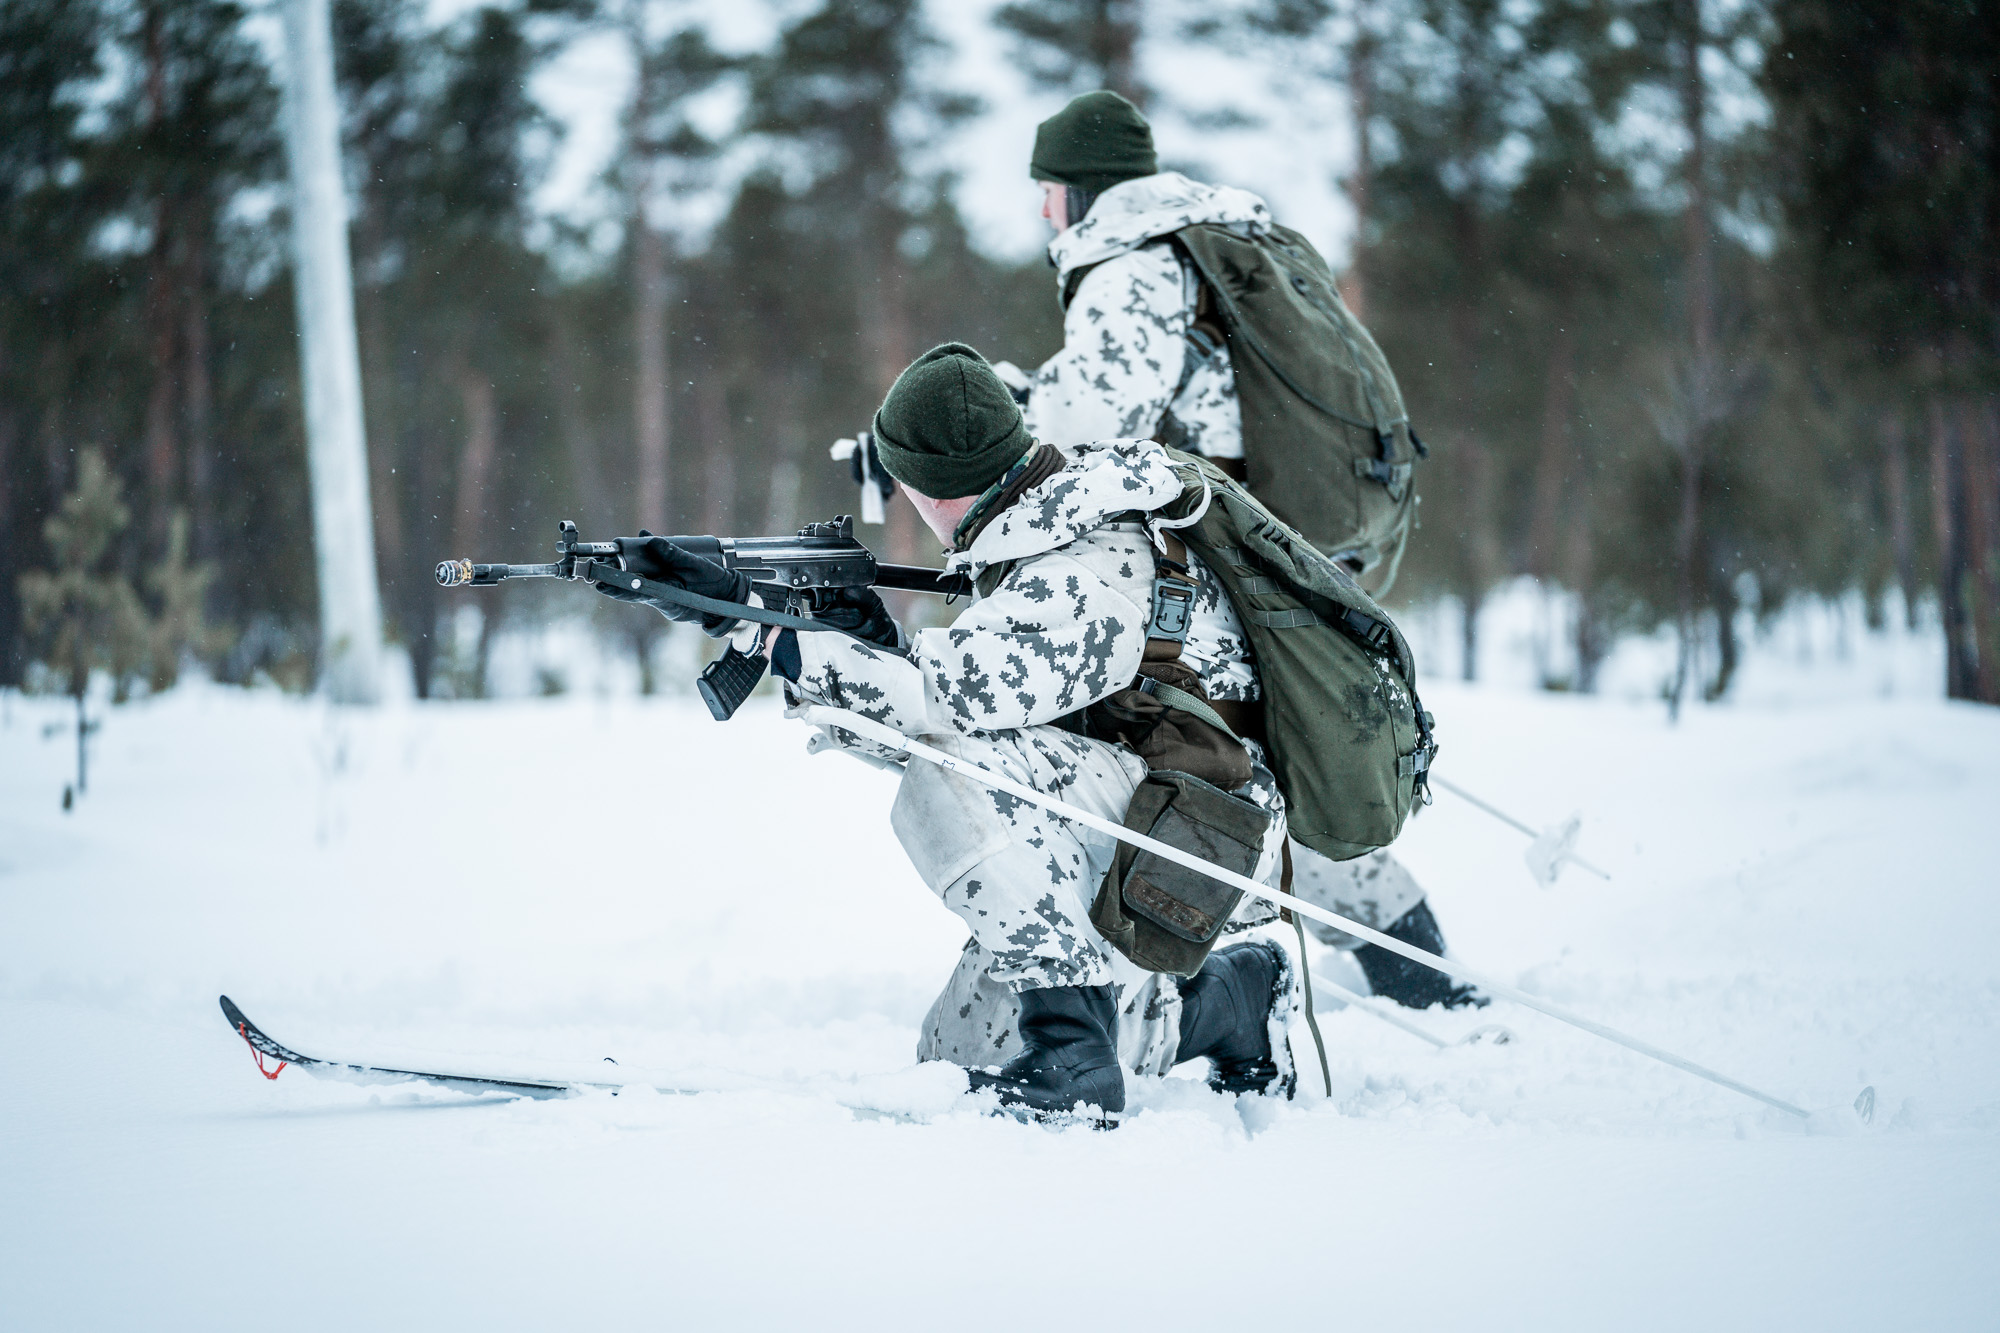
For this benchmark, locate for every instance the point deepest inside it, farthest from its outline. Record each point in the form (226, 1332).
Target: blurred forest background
(1697, 301)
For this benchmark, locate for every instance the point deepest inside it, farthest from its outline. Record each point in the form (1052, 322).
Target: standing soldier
(1192, 318)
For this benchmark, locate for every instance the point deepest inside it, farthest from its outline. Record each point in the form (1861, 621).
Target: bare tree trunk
(718, 453)
(385, 454)
(475, 471)
(161, 462)
(1480, 560)
(198, 404)
(1579, 574)
(160, 298)
(649, 384)
(1721, 596)
(475, 460)
(1980, 433)
(1114, 41)
(11, 666)
(1552, 464)
(1960, 666)
(580, 441)
(1701, 381)
(1468, 635)
(1896, 495)
(885, 314)
(1361, 181)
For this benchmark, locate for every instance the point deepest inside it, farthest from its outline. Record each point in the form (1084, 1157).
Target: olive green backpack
(1325, 434)
(1344, 731)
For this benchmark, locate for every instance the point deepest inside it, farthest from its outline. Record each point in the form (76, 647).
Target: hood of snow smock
(1100, 480)
(1133, 212)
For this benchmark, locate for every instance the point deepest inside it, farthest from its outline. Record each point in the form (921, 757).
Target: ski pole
(1493, 1032)
(822, 715)
(1564, 839)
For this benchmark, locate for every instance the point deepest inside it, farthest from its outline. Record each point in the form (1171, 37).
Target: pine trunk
(1552, 463)
(1702, 380)
(1947, 496)
(1980, 432)
(1896, 497)
(161, 298)
(1361, 92)
(649, 384)
(198, 411)
(475, 460)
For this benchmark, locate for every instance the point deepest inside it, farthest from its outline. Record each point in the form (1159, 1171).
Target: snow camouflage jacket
(1064, 628)
(1126, 359)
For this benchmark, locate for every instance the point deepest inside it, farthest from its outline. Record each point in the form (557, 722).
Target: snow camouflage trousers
(1374, 889)
(1022, 880)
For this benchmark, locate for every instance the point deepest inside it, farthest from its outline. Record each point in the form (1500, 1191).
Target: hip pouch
(1163, 916)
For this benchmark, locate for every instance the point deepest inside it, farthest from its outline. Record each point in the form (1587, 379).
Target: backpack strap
(1072, 281)
(1174, 591)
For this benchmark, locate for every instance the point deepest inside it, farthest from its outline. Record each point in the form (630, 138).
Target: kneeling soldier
(1066, 548)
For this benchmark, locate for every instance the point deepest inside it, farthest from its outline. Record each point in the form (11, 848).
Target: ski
(263, 1047)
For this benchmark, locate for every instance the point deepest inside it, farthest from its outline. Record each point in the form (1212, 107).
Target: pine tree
(82, 613)
(200, 131)
(1887, 120)
(840, 93)
(1079, 45)
(48, 55)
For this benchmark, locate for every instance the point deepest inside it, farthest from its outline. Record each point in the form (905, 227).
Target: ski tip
(1864, 1105)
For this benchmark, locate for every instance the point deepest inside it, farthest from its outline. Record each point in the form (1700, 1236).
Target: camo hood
(1100, 480)
(1131, 213)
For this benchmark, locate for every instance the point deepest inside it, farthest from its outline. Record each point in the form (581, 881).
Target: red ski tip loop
(258, 1055)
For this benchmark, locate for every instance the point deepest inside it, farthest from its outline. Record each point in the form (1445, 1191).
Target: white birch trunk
(350, 611)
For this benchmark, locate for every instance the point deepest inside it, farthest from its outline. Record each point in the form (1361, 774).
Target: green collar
(987, 505)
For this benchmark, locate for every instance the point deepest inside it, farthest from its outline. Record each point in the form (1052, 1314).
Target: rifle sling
(715, 606)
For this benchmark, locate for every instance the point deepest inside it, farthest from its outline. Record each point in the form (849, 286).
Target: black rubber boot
(1226, 1011)
(1410, 983)
(1069, 1053)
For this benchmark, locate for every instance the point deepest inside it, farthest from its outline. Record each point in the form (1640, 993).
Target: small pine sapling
(83, 614)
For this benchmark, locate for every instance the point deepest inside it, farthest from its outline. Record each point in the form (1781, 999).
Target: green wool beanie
(949, 428)
(1093, 143)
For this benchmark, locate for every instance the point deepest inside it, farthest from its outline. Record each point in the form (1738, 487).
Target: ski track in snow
(1803, 898)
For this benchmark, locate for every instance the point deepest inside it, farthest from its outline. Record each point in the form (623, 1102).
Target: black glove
(658, 559)
(860, 612)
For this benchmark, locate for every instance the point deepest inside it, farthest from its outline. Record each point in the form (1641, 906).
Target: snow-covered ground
(1804, 896)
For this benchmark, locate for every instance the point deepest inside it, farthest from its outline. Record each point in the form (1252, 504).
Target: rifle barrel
(461, 573)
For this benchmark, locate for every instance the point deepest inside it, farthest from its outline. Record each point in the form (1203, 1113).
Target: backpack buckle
(1173, 609)
(1392, 477)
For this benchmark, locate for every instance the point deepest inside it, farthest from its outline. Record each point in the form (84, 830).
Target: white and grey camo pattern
(1125, 362)
(1065, 628)
(1023, 879)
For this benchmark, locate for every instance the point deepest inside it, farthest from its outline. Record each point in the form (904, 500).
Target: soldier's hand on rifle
(861, 613)
(658, 559)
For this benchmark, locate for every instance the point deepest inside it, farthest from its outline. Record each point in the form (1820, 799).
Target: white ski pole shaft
(1356, 1001)
(1509, 820)
(820, 715)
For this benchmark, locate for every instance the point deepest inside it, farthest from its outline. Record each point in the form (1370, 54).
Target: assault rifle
(801, 574)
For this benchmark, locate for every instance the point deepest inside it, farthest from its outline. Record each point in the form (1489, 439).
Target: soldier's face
(1055, 205)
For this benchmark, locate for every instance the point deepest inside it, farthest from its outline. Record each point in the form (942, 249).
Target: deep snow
(1803, 898)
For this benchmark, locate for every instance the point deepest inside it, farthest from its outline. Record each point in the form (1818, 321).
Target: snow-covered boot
(1069, 1053)
(1227, 1013)
(1406, 981)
